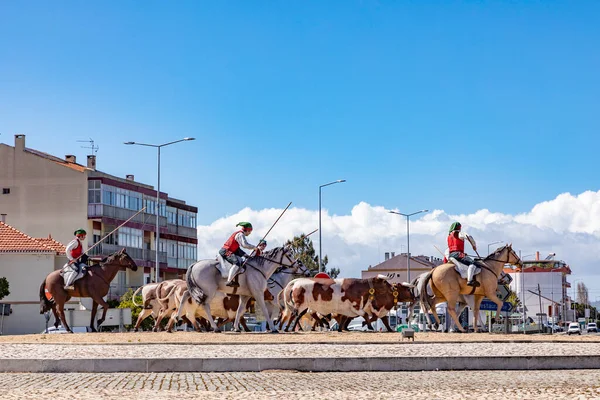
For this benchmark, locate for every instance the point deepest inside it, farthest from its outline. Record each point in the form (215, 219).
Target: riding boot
(232, 279)
(471, 275)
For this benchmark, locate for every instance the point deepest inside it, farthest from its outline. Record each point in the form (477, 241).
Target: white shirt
(73, 245)
(241, 239)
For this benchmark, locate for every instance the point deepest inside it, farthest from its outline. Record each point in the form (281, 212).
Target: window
(5, 190)
(130, 237)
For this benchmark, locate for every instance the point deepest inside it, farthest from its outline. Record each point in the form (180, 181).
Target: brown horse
(448, 285)
(95, 285)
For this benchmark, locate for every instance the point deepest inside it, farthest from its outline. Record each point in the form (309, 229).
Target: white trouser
(471, 272)
(72, 272)
(233, 272)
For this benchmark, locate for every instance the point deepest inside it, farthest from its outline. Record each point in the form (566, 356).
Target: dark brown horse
(95, 285)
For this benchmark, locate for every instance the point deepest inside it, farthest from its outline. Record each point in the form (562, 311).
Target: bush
(4, 288)
(127, 302)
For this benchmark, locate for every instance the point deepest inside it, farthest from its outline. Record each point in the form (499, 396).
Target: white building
(543, 287)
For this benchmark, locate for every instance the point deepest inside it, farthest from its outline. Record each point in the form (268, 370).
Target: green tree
(303, 250)
(4, 288)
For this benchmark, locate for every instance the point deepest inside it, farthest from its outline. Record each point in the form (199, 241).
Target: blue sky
(457, 106)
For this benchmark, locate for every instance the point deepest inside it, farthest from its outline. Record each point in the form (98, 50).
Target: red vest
(231, 244)
(455, 243)
(76, 252)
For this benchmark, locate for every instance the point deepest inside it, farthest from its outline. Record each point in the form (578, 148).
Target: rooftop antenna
(93, 147)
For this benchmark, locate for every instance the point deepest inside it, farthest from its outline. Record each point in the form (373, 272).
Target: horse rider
(77, 260)
(232, 251)
(262, 244)
(456, 248)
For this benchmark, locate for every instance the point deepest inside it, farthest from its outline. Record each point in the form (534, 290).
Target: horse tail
(135, 294)
(45, 303)
(196, 293)
(422, 288)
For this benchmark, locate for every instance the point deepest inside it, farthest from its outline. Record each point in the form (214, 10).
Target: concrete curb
(107, 365)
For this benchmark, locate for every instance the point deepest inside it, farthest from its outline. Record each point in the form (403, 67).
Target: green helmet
(455, 227)
(262, 241)
(245, 225)
(80, 232)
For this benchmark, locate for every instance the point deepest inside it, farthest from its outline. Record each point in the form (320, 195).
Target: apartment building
(47, 195)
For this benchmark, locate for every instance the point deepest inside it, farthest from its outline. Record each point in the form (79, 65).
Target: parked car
(573, 328)
(592, 327)
(554, 327)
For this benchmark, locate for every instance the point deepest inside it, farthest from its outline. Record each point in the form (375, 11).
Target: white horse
(204, 279)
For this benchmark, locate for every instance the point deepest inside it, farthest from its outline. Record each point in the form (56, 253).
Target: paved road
(60, 351)
(448, 385)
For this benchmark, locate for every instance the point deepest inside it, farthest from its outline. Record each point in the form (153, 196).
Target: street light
(158, 146)
(320, 240)
(408, 238)
(496, 242)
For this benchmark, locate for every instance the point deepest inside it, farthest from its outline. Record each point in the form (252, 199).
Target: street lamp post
(523, 287)
(408, 238)
(320, 236)
(496, 242)
(158, 147)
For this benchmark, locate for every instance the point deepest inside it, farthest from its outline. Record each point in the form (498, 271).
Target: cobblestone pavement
(71, 351)
(447, 385)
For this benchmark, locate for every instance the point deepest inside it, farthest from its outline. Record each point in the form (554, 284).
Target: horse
(204, 280)
(95, 284)
(448, 285)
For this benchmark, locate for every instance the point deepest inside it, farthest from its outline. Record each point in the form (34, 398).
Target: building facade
(543, 287)
(43, 194)
(25, 262)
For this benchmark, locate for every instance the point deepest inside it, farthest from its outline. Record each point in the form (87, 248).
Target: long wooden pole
(111, 232)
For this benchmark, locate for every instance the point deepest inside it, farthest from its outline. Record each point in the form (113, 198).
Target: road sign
(488, 305)
(503, 291)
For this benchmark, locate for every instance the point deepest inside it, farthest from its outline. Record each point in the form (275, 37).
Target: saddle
(223, 266)
(462, 268)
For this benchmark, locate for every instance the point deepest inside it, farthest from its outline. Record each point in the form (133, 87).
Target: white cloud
(567, 225)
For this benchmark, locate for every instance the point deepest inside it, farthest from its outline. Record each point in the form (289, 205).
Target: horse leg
(243, 322)
(242, 308)
(56, 317)
(476, 312)
(60, 309)
(104, 305)
(452, 311)
(93, 319)
(213, 325)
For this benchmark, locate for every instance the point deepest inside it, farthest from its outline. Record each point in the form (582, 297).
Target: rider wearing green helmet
(73, 270)
(456, 249)
(232, 251)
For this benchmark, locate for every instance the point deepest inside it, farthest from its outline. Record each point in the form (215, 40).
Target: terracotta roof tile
(15, 241)
(53, 244)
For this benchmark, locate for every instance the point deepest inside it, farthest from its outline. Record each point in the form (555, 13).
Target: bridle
(490, 258)
(281, 267)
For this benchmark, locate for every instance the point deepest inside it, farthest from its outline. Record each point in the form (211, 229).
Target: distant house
(25, 262)
(396, 267)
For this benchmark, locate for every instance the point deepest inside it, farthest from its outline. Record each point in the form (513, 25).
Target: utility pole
(540, 299)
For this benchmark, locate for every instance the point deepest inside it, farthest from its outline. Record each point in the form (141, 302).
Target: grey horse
(204, 279)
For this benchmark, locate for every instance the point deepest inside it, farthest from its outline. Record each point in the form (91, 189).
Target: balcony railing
(105, 249)
(103, 210)
(184, 231)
